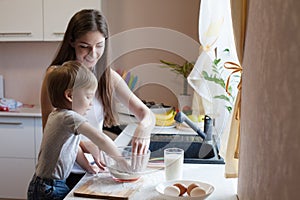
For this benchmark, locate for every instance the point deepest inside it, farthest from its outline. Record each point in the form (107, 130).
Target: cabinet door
(15, 175)
(17, 137)
(21, 20)
(17, 155)
(57, 14)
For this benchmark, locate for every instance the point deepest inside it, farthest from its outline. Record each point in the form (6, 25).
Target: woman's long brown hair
(82, 22)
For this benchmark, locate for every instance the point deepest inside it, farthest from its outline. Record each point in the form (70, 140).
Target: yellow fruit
(193, 118)
(201, 118)
(196, 118)
(166, 119)
(168, 122)
(170, 114)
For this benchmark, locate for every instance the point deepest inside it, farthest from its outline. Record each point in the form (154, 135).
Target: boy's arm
(89, 147)
(102, 141)
(84, 163)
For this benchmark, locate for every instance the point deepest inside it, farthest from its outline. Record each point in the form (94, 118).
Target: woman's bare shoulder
(115, 77)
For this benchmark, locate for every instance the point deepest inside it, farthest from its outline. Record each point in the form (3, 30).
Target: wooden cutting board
(107, 188)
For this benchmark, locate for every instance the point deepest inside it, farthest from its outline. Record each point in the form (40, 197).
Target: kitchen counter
(225, 189)
(34, 111)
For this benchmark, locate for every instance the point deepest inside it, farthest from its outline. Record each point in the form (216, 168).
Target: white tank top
(95, 116)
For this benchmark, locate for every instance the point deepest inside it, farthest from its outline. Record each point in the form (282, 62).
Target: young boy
(71, 90)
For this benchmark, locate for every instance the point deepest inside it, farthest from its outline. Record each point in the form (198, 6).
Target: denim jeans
(47, 189)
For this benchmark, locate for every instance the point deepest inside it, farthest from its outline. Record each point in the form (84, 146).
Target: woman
(86, 40)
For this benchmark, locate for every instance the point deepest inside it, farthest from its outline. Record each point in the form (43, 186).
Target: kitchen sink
(195, 150)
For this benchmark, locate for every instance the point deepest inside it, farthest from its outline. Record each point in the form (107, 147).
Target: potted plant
(183, 70)
(184, 99)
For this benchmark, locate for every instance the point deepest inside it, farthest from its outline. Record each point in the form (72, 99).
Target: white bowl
(128, 167)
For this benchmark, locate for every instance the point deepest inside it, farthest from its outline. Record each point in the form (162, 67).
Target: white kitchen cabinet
(21, 20)
(20, 138)
(39, 20)
(57, 14)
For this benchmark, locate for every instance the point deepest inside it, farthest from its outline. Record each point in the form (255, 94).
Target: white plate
(165, 127)
(207, 187)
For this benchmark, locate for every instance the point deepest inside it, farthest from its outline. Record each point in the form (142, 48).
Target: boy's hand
(99, 161)
(94, 169)
(90, 147)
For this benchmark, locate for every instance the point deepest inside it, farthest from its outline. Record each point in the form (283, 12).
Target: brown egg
(172, 191)
(181, 187)
(197, 192)
(191, 187)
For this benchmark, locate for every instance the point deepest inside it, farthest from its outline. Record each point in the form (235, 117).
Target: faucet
(206, 135)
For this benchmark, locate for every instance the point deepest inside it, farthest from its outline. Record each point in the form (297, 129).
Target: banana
(165, 119)
(168, 122)
(165, 116)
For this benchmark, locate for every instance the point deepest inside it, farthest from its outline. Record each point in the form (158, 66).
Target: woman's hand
(140, 144)
(140, 147)
(141, 141)
(141, 136)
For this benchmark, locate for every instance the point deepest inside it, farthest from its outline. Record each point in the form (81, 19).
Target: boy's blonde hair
(71, 75)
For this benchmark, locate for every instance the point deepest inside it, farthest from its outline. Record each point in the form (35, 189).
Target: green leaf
(204, 74)
(226, 50)
(221, 82)
(230, 89)
(214, 79)
(224, 97)
(168, 63)
(216, 61)
(184, 69)
(229, 108)
(236, 76)
(216, 71)
(214, 68)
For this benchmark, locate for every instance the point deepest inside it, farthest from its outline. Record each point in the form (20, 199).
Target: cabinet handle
(11, 123)
(11, 34)
(58, 33)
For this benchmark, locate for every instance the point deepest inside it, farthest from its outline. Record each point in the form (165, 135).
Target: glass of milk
(173, 159)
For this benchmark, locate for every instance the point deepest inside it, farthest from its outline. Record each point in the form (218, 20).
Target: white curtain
(209, 76)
